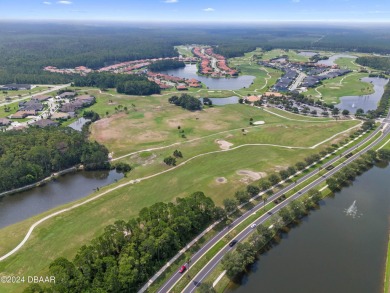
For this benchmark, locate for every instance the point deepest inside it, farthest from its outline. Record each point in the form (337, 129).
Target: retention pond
(65, 189)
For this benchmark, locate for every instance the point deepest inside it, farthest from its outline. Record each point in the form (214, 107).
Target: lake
(366, 102)
(234, 83)
(331, 251)
(65, 189)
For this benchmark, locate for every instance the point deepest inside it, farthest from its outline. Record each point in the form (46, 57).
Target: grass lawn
(348, 63)
(348, 85)
(13, 109)
(387, 271)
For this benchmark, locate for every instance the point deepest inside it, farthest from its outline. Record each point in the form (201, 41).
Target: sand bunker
(221, 180)
(223, 144)
(258, 123)
(252, 175)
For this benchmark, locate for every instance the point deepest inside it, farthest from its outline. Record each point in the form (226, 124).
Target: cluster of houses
(82, 70)
(221, 63)
(123, 67)
(314, 80)
(313, 73)
(76, 103)
(30, 108)
(15, 87)
(213, 64)
(166, 81)
(62, 107)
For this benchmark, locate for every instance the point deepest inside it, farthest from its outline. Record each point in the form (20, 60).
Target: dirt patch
(221, 180)
(250, 176)
(223, 144)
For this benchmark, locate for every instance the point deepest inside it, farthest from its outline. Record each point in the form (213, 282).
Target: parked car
(182, 269)
(231, 244)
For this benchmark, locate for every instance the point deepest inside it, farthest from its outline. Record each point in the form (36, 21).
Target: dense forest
(124, 83)
(379, 63)
(30, 155)
(26, 49)
(127, 254)
(165, 65)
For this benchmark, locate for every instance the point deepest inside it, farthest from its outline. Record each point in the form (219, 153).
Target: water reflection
(67, 188)
(234, 83)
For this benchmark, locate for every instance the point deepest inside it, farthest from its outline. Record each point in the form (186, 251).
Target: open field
(154, 122)
(65, 234)
(348, 85)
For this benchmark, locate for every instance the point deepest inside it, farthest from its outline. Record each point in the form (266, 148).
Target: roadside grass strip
(387, 270)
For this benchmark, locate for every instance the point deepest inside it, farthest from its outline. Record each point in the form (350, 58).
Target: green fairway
(348, 63)
(185, 51)
(348, 85)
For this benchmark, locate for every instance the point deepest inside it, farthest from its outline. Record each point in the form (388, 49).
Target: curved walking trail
(33, 226)
(348, 75)
(266, 79)
(319, 93)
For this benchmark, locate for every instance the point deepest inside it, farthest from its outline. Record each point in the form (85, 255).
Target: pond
(332, 59)
(365, 102)
(224, 101)
(234, 83)
(78, 125)
(307, 53)
(339, 248)
(65, 189)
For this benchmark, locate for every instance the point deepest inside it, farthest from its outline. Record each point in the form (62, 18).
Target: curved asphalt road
(217, 258)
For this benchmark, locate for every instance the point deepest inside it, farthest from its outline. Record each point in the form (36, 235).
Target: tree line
(27, 156)
(376, 62)
(360, 165)
(124, 83)
(128, 253)
(162, 65)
